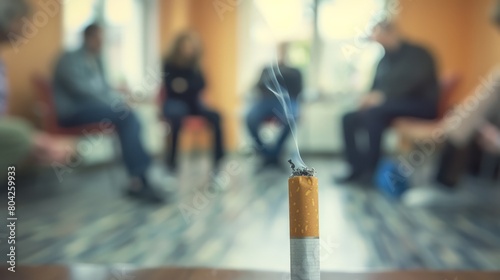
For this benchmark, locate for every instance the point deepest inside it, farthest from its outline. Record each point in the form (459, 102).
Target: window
(77, 15)
(263, 26)
(329, 46)
(131, 29)
(346, 57)
(329, 38)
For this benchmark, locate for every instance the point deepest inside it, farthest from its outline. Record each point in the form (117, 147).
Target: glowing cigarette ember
(304, 224)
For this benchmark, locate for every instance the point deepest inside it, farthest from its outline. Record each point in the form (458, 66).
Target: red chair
(448, 86)
(193, 124)
(50, 124)
(43, 88)
(48, 112)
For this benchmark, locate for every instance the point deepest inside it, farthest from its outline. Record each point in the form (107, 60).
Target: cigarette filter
(304, 228)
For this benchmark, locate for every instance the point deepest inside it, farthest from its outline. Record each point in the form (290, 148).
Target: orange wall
(36, 56)
(485, 41)
(442, 27)
(458, 32)
(174, 17)
(219, 39)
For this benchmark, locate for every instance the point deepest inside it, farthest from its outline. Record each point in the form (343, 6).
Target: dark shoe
(146, 194)
(366, 179)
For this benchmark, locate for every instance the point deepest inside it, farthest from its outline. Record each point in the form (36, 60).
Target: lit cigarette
(304, 224)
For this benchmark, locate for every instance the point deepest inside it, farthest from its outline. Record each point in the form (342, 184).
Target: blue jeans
(127, 127)
(263, 110)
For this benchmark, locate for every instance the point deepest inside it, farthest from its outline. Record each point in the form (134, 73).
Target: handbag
(389, 180)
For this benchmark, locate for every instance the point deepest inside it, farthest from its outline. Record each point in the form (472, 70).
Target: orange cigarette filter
(303, 200)
(304, 226)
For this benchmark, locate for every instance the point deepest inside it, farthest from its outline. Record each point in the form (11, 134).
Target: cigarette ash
(301, 171)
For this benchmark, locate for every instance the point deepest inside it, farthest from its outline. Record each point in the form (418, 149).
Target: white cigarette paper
(304, 228)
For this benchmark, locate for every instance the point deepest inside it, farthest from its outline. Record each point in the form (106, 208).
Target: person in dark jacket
(405, 85)
(184, 82)
(275, 79)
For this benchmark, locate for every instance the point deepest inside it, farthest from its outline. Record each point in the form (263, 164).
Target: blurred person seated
(83, 96)
(19, 141)
(471, 140)
(489, 137)
(268, 106)
(405, 85)
(480, 158)
(184, 83)
(473, 146)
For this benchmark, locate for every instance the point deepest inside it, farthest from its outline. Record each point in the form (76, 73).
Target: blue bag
(389, 179)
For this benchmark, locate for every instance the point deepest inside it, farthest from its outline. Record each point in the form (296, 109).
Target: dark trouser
(470, 159)
(263, 110)
(175, 111)
(127, 127)
(374, 121)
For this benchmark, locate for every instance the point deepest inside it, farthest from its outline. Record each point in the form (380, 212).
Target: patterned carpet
(86, 219)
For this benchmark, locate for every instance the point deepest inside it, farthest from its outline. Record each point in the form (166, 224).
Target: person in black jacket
(275, 79)
(184, 83)
(405, 85)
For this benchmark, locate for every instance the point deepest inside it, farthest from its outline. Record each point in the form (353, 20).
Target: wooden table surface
(88, 272)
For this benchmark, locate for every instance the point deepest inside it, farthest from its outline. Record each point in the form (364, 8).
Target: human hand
(489, 138)
(372, 99)
(49, 149)
(124, 90)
